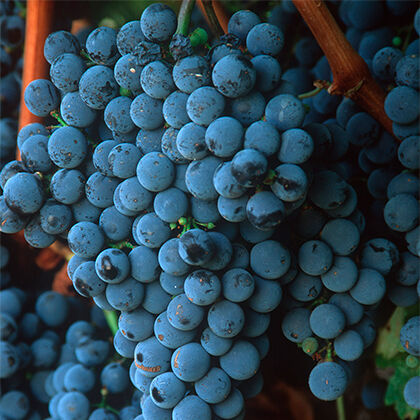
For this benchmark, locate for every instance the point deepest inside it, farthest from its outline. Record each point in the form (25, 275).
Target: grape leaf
(394, 393)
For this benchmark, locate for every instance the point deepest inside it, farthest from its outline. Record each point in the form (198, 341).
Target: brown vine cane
(351, 75)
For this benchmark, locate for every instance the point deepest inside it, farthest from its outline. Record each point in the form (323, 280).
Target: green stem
(341, 412)
(123, 244)
(111, 320)
(56, 115)
(310, 93)
(184, 16)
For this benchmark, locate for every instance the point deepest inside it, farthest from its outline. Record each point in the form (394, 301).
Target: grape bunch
(56, 358)
(200, 187)
(12, 30)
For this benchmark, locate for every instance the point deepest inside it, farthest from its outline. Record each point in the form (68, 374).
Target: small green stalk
(111, 320)
(341, 412)
(57, 116)
(121, 245)
(310, 93)
(184, 16)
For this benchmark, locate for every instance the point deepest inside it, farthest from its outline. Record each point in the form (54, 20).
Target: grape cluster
(12, 30)
(56, 358)
(199, 188)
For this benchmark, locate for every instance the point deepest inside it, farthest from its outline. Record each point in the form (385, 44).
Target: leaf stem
(57, 116)
(184, 16)
(111, 320)
(341, 412)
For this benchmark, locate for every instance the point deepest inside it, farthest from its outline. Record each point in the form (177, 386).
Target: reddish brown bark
(39, 19)
(351, 75)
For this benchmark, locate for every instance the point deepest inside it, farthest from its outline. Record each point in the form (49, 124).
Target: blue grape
(232, 407)
(23, 193)
(349, 346)
(55, 218)
(411, 392)
(152, 231)
(36, 236)
(190, 141)
(155, 171)
(67, 147)
(199, 177)
(9, 361)
(170, 260)
(156, 79)
(133, 195)
(409, 152)
(117, 115)
(8, 326)
(363, 129)
(224, 182)
(224, 137)
(401, 105)
(373, 394)
(341, 235)
(102, 413)
(86, 239)
(202, 287)
(191, 73)
(267, 295)
(407, 70)
(183, 314)
(256, 323)
(196, 247)
(44, 353)
(114, 377)
(152, 412)
(410, 337)
(290, 182)
(73, 405)
(247, 109)
(385, 62)
(152, 358)
(401, 213)
(75, 112)
(112, 265)
(144, 264)
(190, 407)
(77, 331)
(155, 298)
(41, 97)
(14, 405)
(285, 112)
(408, 272)
(84, 211)
(34, 154)
(249, 167)
(328, 381)
(265, 38)
(327, 321)
(125, 296)
(226, 319)
(166, 390)
(101, 45)
(242, 22)
(52, 308)
(174, 109)
(263, 137)
(115, 225)
(127, 71)
(234, 76)
(67, 186)
(379, 254)
(136, 325)
(129, 35)
(213, 344)
(158, 22)
(328, 190)
(146, 112)
(383, 150)
(268, 72)
(86, 281)
(190, 362)
(58, 43)
(342, 275)
(169, 147)
(174, 285)
(170, 336)
(269, 259)
(92, 352)
(123, 346)
(204, 105)
(305, 288)
(300, 78)
(97, 87)
(367, 330)
(65, 72)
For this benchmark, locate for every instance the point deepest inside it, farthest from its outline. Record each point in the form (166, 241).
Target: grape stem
(184, 16)
(351, 75)
(111, 320)
(56, 115)
(341, 413)
(310, 93)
